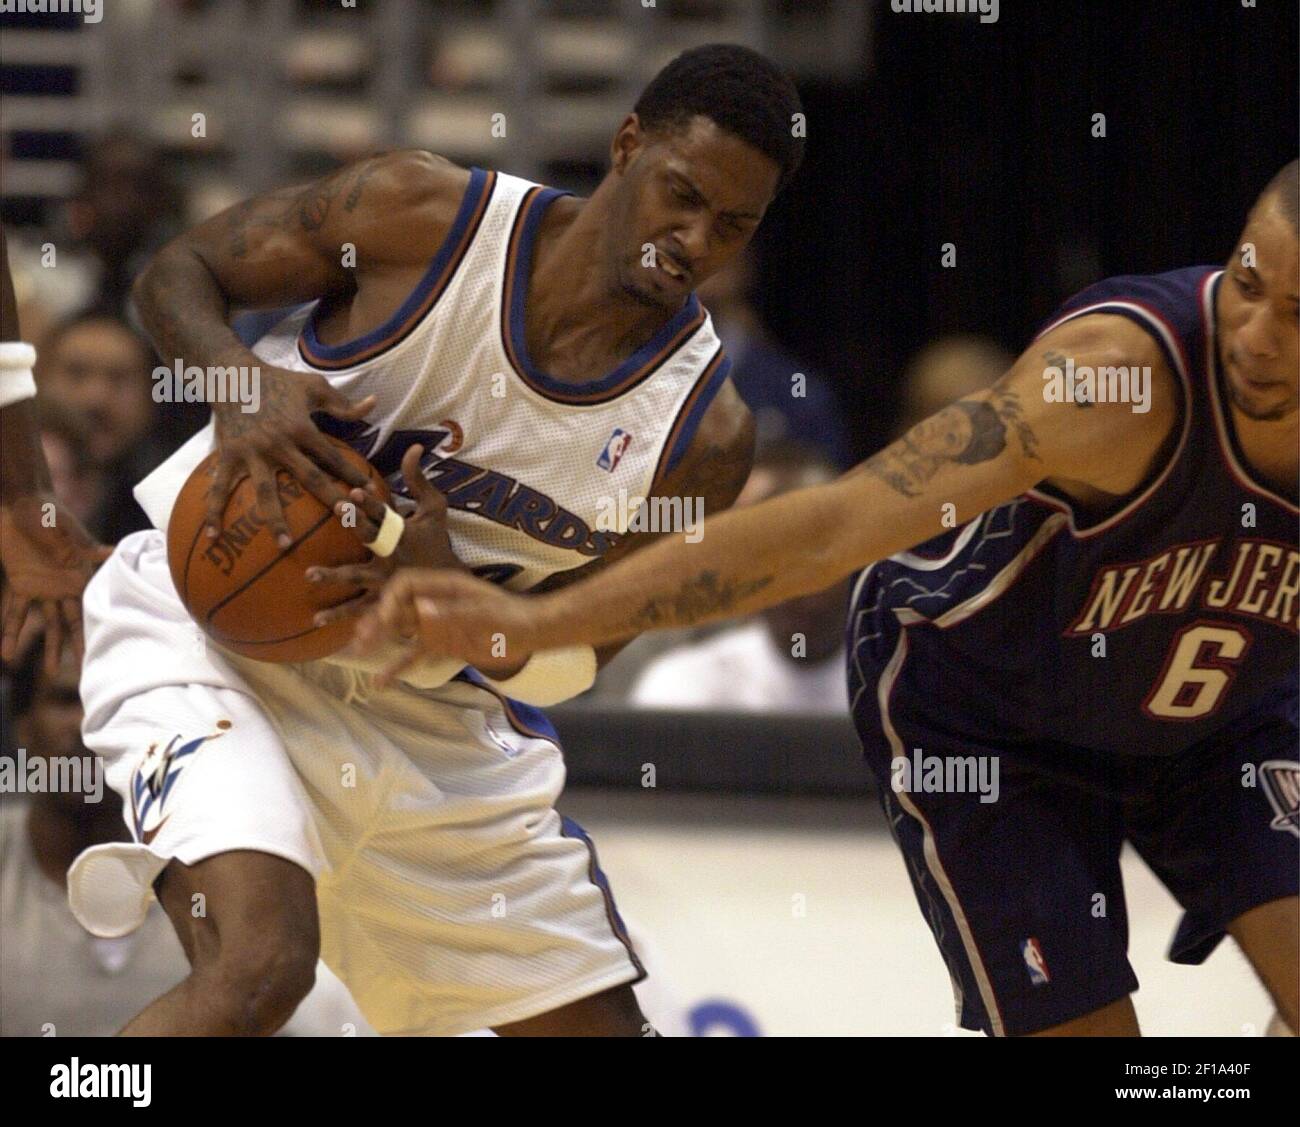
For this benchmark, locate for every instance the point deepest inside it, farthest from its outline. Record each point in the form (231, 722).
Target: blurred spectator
(764, 373)
(127, 205)
(789, 658)
(96, 367)
(948, 369)
(52, 973)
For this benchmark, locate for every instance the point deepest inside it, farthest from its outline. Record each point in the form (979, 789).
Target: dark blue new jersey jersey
(1144, 632)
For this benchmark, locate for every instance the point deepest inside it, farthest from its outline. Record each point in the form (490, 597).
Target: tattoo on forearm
(965, 433)
(696, 599)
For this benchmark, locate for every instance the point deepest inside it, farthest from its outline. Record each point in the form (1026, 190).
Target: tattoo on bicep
(965, 433)
(1056, 360)
(702, 595)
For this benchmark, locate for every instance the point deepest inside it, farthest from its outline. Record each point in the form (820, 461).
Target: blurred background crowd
(923, 132)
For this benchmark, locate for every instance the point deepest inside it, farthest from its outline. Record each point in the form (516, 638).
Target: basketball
(246, 591)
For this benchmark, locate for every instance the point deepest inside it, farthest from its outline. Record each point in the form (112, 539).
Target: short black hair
(1286, 187)
(739, 90)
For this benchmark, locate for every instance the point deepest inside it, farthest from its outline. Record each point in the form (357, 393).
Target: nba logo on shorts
(1034, 960)
(614, 449)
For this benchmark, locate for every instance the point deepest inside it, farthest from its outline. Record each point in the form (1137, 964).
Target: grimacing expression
(695, 194)
(1259, 316)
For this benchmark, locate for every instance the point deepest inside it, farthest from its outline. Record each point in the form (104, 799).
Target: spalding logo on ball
(248, 593)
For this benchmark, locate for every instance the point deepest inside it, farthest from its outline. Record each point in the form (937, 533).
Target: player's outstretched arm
(46, 554)
(970, 456)
(347, 233)
(708, 479)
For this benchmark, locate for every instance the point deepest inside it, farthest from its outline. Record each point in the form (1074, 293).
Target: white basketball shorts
(451, 894)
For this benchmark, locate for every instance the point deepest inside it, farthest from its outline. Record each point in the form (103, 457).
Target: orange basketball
(246, 591)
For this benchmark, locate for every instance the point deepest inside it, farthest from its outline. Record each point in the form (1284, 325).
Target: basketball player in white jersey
(544, 353)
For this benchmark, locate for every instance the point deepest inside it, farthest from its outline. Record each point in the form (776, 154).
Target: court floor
(797, 916)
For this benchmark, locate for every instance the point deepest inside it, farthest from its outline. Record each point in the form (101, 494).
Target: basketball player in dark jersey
(1107, 616)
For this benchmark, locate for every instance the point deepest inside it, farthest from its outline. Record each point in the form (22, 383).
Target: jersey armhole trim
(447, 260)
(689, 415)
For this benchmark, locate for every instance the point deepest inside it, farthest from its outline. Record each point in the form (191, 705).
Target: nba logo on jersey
(614, 449)
(1034, 960)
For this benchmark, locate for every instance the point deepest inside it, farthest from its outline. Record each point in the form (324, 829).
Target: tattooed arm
(387, 214)
(972, 455)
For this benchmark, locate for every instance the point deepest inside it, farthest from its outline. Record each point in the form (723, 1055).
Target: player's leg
(211, 801)
(468, 901)
(247, 922)
(1269, 936)
(611, 1013)
(1220, 826)
(1022, 893)
(1119, 1019)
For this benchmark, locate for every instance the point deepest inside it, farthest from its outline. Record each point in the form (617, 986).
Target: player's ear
(628, 141)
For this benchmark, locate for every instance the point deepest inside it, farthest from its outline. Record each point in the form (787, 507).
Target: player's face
(687, 202)
(1259, 316)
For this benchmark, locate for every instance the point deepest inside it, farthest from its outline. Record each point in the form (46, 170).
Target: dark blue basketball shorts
(1023, 893)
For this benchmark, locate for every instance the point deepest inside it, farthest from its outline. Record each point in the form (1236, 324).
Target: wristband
(16, 381)
(550, 676)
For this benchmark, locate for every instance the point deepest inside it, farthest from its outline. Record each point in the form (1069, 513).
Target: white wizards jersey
(540, 475)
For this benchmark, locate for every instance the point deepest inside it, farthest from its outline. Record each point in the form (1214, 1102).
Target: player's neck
(576, 329)
(1271, 448)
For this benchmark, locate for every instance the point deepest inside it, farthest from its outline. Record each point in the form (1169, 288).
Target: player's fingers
(331, 458)
(269, 507)
(428, 500)
(72, 621)
(319, 483)
(351, 608)
(13, 608)
(333, 402)
(365, 511)
(53, 636)
(366, 574)
(218, 493)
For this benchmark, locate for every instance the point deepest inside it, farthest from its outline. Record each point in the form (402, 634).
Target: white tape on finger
(390, 534)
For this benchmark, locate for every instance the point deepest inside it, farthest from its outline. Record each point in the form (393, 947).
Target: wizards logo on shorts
(614, 450)
(1035, 962)
(154, 779)
(1281, 783)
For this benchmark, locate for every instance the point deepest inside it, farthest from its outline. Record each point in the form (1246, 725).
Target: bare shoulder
(400, 204)
(720, 455)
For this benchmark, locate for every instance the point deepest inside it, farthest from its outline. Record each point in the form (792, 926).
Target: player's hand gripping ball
(242, 588)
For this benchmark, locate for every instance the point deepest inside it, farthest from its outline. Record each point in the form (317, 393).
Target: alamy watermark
(92, 11)
(192, 384)
(945, 774)
(1084, 385)
(987, 9)
(651, 514)
(53, 774)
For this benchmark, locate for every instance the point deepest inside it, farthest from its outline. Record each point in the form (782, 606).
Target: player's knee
(257, 985)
